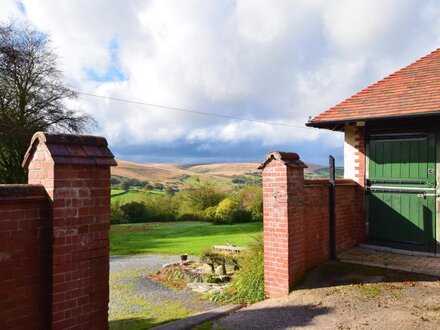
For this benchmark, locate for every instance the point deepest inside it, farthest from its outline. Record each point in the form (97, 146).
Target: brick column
(75, 171)
(284, 230)
(354, 153)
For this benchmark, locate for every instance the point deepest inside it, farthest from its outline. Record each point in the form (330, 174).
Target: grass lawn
(133, 195)
(191, 237)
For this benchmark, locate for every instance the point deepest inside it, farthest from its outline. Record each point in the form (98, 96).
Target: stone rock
(207, 288)
(205, 269)
(220, 270)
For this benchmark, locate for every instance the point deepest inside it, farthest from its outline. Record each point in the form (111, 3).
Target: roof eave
(336, 124)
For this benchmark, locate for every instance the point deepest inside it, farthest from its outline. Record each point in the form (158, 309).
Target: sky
(273, 61)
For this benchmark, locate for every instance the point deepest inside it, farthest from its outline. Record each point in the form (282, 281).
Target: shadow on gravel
(335, 273)
(280, 317)
(134, 323)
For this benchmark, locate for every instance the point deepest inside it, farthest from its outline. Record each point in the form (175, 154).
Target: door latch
(424, 195)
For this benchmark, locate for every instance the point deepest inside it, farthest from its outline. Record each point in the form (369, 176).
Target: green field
(132, 195)
(190, 237)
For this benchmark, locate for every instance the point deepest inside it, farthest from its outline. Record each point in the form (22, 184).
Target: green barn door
(401, 191)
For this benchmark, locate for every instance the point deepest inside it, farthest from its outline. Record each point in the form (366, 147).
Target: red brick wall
(349, 223)
(296, 221)
(81, 222)
(54, 254)
(24, 257)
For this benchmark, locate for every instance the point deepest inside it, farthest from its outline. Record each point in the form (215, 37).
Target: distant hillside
(228, 174)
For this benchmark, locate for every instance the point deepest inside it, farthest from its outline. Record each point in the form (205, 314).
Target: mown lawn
(191, 237)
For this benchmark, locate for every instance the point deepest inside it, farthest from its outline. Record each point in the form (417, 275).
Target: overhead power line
(190, 111)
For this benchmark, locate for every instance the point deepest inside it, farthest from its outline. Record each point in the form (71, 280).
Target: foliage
(225, 210)
(172, 277)
(202, 195)
(134, 211)
(209, 214)
(160, 207)
(177, 237)
(115, 180)
(247, 285)
(32, 95)
(251, 199)
(117, 216)
(190, 204)
(170, 191)
(195, 216)
(238, 216)
(212, 259)
(124, 185)
(247, 179)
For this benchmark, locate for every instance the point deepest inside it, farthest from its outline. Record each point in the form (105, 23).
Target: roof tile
(72, 149)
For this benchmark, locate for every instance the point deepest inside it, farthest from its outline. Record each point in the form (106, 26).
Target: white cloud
(268, 60)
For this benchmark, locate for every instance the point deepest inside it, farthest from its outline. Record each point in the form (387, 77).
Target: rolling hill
(183, 174)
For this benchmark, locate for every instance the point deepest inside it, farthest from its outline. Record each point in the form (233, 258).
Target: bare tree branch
(32, 96)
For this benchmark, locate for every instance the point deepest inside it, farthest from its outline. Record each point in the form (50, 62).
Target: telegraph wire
(189, 111)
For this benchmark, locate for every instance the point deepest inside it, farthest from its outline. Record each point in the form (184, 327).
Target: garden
(163, 266)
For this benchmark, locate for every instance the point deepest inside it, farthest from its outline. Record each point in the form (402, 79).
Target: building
(392, 150)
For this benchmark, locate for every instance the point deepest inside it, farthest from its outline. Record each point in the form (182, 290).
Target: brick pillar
(355, 169)
(284, 230)
(75, 171)
(354, 153)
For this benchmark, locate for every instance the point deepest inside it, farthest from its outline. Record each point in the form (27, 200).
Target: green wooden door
(401, 191)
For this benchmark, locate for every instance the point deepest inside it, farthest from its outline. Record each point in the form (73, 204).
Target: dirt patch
(345, 296)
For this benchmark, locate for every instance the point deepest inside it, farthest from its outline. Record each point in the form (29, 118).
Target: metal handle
(424, 195)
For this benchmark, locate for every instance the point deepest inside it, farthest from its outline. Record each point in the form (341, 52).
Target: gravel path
(132, 271)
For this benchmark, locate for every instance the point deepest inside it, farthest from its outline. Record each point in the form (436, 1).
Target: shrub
(247, 286)
(251, 199)
(200, 196)
(225, 210)
(209, 215)
(124, 185)
(196, 216)
(161, 207)
(238, 216)
(116, 214)
(135, 212)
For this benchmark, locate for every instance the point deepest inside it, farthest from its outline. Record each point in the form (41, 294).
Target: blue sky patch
(20, 6)
(113, 72)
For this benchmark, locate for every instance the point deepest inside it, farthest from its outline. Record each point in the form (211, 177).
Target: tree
(32, 96)
(124, 185)
(251, 199)
(203, 195)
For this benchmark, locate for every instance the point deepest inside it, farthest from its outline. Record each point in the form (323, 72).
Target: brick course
(24, 257)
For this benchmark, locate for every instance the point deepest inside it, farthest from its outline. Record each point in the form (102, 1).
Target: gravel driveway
(137, 302)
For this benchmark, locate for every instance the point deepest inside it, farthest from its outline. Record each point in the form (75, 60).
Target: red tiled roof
(413, 90)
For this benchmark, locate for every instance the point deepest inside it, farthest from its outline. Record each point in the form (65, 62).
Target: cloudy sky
(274, 61)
